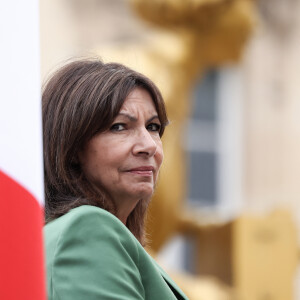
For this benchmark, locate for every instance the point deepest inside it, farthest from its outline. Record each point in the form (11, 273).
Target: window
(213, 142)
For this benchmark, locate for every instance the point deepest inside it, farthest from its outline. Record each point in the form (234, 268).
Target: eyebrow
(134, 119)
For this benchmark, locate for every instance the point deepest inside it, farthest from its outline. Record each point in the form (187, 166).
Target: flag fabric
(22, 272)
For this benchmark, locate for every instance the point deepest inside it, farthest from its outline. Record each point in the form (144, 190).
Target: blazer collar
(170, 282)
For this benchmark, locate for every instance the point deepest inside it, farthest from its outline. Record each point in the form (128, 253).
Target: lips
(144, 171)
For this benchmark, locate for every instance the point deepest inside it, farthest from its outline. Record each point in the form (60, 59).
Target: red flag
(21, 252)
(21, 182)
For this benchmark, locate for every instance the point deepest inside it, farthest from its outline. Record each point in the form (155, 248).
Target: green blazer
(90, 254)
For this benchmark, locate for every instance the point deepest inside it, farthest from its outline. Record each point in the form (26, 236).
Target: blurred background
(224, 221)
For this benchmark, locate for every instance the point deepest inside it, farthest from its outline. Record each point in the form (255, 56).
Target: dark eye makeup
(155, 127)
(117, 127)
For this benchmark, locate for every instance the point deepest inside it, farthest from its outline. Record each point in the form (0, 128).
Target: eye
(117, 127)
(154, 127)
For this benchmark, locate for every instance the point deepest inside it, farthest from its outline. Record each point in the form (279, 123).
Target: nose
(144, 144)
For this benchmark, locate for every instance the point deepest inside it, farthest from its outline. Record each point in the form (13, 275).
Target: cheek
(159, 156)
(100, 167)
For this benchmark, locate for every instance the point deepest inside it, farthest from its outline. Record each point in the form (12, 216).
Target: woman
(102, 151)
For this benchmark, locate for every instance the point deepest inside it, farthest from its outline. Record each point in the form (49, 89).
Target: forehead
(139, 100)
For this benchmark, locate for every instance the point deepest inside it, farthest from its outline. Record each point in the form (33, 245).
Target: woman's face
(125, 159)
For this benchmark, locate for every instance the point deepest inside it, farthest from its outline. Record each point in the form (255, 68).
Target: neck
(125, 208)
(123, 219)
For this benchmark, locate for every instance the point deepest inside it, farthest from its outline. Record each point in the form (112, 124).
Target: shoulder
(81, 247)
(85, 214)
(88, 223)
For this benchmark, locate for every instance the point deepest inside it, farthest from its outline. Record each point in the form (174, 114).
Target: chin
(145, 193)
(138, 191)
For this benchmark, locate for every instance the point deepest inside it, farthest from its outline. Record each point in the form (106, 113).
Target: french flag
(22, 272)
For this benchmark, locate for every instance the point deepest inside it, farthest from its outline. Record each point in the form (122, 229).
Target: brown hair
(82, 99)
